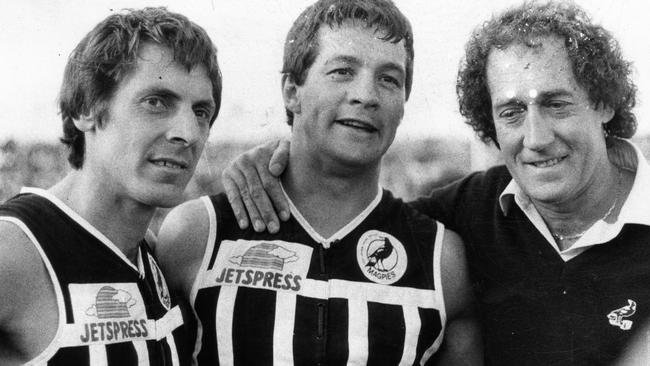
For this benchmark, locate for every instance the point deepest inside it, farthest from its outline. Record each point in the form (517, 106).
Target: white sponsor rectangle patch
(274, 265)
(107, 313)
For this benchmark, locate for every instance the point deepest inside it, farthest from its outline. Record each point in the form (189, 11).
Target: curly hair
(107, 54)
(594, 54)
(301, 45)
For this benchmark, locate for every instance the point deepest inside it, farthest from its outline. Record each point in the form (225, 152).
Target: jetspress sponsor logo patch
(274, 265)
(108, 313)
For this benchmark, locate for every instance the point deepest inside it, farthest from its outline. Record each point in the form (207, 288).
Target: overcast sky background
(38, 35)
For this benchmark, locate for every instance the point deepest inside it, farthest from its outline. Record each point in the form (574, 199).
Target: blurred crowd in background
(411, 168)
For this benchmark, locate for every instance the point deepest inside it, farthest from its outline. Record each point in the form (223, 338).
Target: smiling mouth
(547, 163)
(170, 164)
(359, 125)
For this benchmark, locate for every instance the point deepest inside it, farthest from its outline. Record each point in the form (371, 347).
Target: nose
(185, 129)
(538, 130)
(364, 92)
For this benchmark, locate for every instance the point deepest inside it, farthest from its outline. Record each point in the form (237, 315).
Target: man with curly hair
(557, 237)
(80, 285)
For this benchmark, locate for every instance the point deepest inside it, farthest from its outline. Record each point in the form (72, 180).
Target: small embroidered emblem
(616, 316)
(381, 257)
(161, 285)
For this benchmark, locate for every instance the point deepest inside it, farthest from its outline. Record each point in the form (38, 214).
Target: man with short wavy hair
(80, 285)
(557, 237)
(355, 277)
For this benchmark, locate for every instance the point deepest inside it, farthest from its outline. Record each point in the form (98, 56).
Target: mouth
(169, 163)
(358, 125)
(547, 163)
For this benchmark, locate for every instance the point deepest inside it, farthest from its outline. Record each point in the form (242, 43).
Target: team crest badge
(161, 285)
(381, 257)
(616, 317)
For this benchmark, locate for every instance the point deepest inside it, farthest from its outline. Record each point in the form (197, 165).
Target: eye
(155, 103)
(558, 108)
(556, 104)
(511, 113)
(203, 114)
(391, 80)
(341, 72)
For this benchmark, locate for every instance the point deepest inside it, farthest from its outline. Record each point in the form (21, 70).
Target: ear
(607, 113)
(86, 122)
(290, 94)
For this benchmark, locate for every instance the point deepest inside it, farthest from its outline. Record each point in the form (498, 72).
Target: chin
(549, 195)
(360, 158)
(163, 197)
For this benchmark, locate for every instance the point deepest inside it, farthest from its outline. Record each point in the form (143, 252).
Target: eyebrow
(542, 96)
(355, 61)
(345, 59)
(555, 93)
(209, 103)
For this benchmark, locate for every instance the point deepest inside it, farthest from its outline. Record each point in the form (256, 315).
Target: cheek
(200, 146)
(396, 106)
(508, 141)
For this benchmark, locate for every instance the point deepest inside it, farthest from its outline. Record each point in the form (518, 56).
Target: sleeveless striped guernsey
(110, 312)
(371, 294)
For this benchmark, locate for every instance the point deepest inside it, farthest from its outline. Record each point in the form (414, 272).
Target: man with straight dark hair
(80, 285)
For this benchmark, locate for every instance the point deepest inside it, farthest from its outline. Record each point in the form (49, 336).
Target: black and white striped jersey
(370, 294)
(111, 312)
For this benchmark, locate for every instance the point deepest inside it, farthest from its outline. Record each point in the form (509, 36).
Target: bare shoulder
(20, 263)
(26, 281)
(181, 243)
(455, 277)
(462, 343)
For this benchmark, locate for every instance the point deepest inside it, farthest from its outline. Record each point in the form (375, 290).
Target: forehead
(354, 38)
(156, 68)
(521, 69)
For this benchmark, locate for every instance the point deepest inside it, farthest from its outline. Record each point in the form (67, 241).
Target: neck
(602, 200)
(121, 220)
(329, 195)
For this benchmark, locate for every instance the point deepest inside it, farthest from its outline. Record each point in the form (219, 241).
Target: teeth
(357, 124)
(547, 163)
(168, 164)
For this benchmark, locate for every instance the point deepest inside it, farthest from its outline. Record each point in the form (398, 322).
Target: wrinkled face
(550, 133)
(157, 123)
(352, 100)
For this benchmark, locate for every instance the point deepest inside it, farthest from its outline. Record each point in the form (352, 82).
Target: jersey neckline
(88, 227)
(342, 232)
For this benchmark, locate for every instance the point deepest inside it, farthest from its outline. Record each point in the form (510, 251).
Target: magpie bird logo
(616, 317)
(381, 257)
(378, 252)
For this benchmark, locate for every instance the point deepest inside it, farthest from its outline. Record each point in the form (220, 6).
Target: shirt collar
(634, 210)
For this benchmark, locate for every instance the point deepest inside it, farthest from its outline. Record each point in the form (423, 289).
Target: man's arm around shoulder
(181, 243)
(462, 344)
